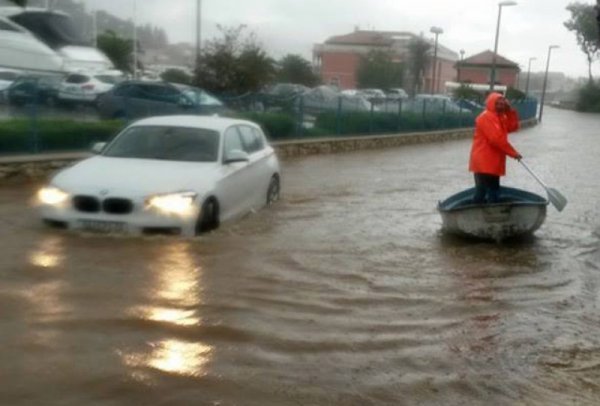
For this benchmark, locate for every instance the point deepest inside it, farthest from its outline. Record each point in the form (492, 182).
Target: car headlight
(181, 203)
(52, 195)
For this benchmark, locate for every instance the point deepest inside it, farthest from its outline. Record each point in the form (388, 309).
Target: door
(234, 189)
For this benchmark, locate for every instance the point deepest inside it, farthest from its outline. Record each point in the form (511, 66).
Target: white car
(176, 174)
(85, 87)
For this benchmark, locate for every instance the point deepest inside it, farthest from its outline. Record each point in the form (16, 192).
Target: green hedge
(377, 123)
(276, 125)
(25, 135)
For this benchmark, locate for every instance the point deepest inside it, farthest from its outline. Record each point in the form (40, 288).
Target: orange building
(338, 58)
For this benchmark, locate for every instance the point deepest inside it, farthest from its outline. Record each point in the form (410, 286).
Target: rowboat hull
(517, 214)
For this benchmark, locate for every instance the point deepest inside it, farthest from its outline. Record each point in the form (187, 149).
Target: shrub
(25, 135)
(277, 126)
(589, 98)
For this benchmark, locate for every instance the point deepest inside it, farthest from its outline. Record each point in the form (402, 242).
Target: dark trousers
(487, 188)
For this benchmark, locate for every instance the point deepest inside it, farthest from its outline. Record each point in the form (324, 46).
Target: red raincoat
(490, 142)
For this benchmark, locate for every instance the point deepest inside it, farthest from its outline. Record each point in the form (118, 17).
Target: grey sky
(293, 26)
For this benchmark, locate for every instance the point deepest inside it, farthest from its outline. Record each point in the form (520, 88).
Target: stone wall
(38, 167)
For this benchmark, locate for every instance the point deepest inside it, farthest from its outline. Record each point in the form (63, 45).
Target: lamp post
(135, 44)
(198, 31)
(528, 73)
(437, 31)
(493, 73)
(550, 48)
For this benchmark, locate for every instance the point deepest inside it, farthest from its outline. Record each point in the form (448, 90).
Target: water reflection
(49, 254)
(180, 357)
(175, 298)
(176, 287)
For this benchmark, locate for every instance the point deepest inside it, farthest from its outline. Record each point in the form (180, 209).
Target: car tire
(274, 190)
(208, 218)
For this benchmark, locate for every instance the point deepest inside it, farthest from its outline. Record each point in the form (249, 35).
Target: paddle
(555, 197)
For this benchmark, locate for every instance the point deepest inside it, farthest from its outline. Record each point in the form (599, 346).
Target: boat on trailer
(517, 213)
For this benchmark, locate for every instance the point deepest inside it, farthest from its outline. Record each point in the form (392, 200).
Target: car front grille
(117, 206)
(112, 205)
(86, 204)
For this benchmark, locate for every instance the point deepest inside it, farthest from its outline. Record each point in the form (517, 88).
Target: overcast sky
(294, 26)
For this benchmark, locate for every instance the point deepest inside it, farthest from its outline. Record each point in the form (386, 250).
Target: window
(4, 26)
(232, 141)
(166, 143)
(252, 143)
(77, 79)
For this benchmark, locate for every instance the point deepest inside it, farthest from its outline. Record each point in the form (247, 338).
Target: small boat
(518, 213)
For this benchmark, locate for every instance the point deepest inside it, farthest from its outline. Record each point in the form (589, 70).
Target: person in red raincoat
(490, 147)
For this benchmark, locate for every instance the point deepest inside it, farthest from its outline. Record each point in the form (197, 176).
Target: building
(478, 69)
(338, 58)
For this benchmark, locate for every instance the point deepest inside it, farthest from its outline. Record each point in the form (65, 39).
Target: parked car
(133, 99)
(85, 88)
(470, 105)
(184, 174)
(323, 98)
(396, 93)
(7, 77)
(373, 95)
(33, 89)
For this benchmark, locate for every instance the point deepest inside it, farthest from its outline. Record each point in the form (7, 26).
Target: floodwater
(344, 293)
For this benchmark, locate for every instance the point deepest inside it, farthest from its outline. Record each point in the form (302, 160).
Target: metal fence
(39, 124)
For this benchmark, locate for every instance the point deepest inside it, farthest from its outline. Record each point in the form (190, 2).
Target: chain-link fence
(39, 116)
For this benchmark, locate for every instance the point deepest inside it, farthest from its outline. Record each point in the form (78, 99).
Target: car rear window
(77, 79)
(109, 79)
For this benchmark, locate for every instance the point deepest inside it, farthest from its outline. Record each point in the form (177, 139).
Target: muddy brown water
(344, 293)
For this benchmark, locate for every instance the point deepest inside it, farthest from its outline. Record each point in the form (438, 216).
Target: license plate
(102, 226)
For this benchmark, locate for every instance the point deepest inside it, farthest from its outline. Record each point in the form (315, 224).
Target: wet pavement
(344, 293)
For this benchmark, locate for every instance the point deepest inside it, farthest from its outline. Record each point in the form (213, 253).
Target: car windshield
(166, 143)
(201, 97)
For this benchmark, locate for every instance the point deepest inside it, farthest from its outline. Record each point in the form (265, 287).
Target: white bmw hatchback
(178, 174)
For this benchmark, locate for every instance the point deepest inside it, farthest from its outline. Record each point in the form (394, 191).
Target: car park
(7, 77)
(33, 89)
(135, 99)
(86, 87)
(178, 174)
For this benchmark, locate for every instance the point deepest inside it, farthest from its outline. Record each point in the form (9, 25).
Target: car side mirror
(236, 155)
(98, 147)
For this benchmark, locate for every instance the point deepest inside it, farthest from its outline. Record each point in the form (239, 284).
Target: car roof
(215, 123)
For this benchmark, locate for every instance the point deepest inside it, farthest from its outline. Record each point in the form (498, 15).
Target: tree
(583, 23)
(119, 50)
(296, 69)
(176, 76)
(418, 50)
(20, 3)
(378, 70)
(232, 65)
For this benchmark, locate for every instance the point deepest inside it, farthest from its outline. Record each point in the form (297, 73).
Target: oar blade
(556, 198)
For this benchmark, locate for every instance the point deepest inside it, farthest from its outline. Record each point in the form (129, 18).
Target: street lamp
(550, 48)
(437, 31)
(198, 31)
(493, 74)
(528, 73)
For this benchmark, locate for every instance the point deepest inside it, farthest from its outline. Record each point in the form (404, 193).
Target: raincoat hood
(490, 102)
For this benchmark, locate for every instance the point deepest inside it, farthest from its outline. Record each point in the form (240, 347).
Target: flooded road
(344, 293)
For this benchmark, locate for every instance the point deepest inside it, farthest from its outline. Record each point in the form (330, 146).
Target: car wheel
(273, 191)
(209, 217)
